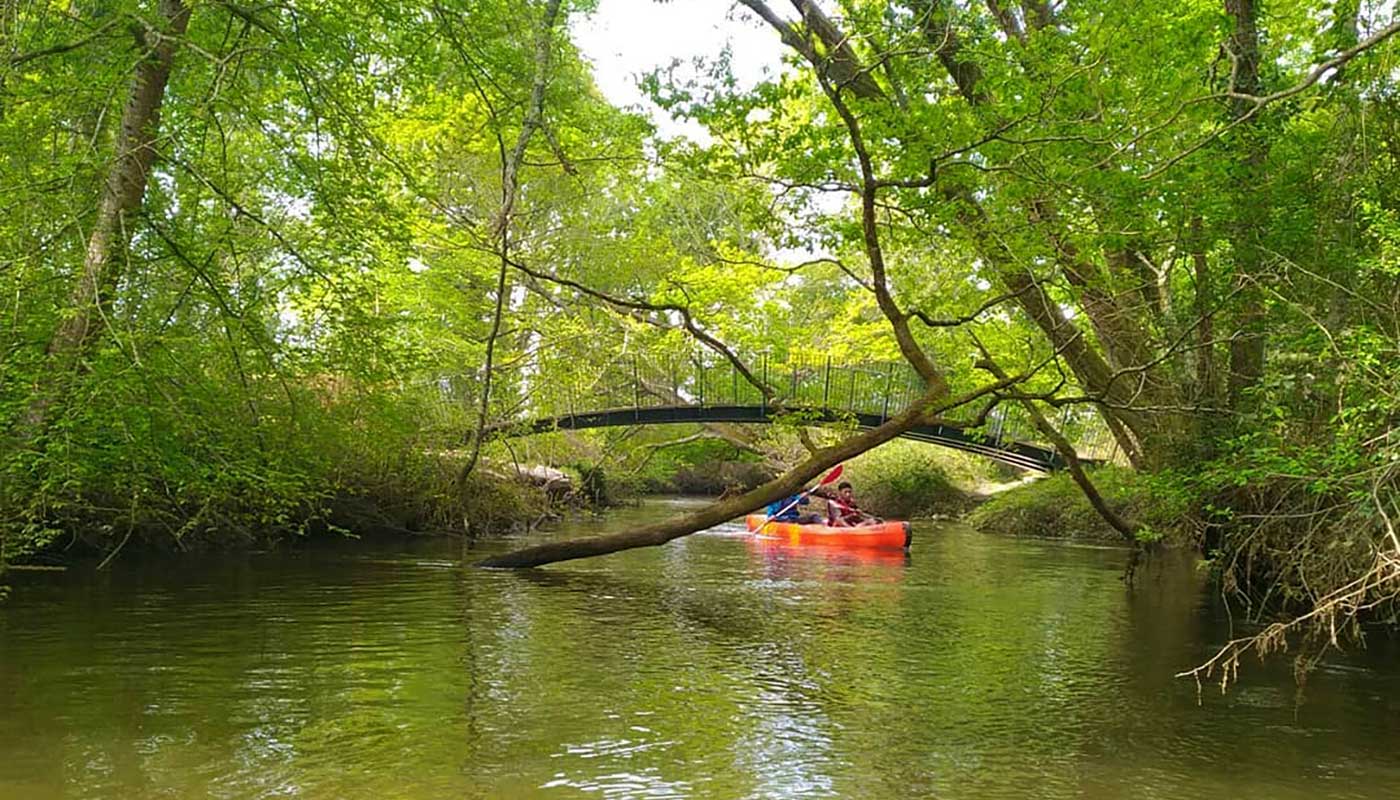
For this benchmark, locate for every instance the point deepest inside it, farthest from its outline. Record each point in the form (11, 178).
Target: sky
(628, 38)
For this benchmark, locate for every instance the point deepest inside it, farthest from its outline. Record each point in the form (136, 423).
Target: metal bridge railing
(550, 384)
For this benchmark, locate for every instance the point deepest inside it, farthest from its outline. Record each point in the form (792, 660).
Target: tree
(123, 189)
(1058, 150)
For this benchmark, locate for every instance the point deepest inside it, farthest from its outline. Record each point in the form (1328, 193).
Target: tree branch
(1066, 451)
(24, 58)
(931, 322)
(687, 319)
(510, 168)
(1253, 104)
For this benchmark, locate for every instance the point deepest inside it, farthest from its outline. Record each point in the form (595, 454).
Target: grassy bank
(899, 480)
(1053, 507)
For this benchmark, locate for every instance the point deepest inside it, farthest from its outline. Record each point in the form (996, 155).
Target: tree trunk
(1089, 367)
(834, 57)
(1119, 332)
(1095, 374)
(947, 45)
(1205, 394)
(122, 195)
(1124, 340)
(1247, 344)
(510, 184)
(842, 64)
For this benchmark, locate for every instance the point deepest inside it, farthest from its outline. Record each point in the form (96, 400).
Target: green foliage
(275, 329)
(487, 506)
(296, 324)
(593, 483)
(207, 471)
(905, 480)
(717, 477)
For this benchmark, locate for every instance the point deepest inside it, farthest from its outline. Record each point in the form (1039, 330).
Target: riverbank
(419, 496)
(1053, 507)
(900, 480)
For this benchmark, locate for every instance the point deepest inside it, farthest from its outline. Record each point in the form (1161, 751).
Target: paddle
(830, 478)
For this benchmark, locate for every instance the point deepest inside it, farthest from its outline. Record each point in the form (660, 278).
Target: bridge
(701, 387)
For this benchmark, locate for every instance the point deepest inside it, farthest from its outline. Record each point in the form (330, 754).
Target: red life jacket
(842, 512)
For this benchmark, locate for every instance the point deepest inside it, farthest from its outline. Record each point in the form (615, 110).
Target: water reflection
(846, 563)
(718, 666)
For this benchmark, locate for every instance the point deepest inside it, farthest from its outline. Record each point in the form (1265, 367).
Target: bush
(1295, 526)
(202, 470)
(593, 484)
(718, 477)
(904, 480)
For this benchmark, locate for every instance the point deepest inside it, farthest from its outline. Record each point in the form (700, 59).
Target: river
(978, 667)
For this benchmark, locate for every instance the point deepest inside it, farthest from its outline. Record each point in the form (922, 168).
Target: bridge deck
(1025, 455)
(640, 389)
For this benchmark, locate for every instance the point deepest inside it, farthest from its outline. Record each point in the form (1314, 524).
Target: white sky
(628, 38)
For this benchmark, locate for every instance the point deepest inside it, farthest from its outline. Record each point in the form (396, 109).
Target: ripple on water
(977, 667)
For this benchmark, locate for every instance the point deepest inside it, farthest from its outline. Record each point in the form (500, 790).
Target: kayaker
(841, 508)
(788, 509)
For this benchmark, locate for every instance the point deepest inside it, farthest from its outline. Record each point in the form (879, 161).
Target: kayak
(895, 534)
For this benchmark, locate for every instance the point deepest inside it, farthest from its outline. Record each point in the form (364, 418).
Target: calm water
(981, 667)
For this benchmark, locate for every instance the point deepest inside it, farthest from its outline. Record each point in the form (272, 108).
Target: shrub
(717, 477)
(904, 480)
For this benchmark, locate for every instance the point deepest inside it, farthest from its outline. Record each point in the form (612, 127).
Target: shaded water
(980, 667)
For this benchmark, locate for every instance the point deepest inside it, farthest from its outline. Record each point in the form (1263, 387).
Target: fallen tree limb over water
(786, 484)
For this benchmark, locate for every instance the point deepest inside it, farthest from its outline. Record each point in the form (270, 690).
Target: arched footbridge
(700, 388)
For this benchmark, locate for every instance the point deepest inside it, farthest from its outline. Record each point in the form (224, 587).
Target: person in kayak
(788, 509)
(841, 508)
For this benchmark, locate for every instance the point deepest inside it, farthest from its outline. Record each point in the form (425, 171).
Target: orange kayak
(895, 534)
